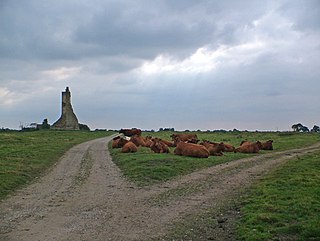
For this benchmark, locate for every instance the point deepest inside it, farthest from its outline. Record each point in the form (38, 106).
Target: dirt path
(85, 197)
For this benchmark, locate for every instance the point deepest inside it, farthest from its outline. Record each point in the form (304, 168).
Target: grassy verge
(26, 155)
(145, 167)
(285, 205)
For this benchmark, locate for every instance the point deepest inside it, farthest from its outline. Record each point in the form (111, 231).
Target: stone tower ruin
(68, 119)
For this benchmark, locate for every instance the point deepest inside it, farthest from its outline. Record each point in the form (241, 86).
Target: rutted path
(85, 197)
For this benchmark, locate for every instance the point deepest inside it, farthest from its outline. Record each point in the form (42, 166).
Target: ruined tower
(68, 119)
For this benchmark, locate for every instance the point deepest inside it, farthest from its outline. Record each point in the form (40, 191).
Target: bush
(84, 127)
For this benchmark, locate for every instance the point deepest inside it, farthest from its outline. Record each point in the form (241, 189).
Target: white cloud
(10, 98)
(6, 97)
(204, 60)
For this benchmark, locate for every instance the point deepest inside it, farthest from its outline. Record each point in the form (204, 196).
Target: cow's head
(259, 144)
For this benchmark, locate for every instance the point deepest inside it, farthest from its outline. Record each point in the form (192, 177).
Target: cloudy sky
(187, 64)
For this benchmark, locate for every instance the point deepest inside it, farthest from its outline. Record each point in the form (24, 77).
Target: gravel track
(85, 197)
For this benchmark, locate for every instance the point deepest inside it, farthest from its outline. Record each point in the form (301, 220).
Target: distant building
(68, 119)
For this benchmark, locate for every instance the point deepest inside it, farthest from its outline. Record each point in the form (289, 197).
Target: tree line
(301, 128)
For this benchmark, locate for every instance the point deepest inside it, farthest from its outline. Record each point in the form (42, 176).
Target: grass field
(285, 205)
(145, 167)
(26, 155)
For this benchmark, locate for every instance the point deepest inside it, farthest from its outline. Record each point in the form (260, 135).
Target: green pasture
(285, 205)
(145, 167)
(26, 155)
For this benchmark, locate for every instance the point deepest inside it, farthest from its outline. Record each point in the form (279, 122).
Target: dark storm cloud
(186, 64)
(73, 29)
(149, 28)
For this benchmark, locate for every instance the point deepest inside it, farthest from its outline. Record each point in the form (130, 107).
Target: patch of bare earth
(85, 197)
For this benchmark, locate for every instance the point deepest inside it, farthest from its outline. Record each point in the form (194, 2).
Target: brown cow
(191, 138)
(245, 142)
(191, 149)
(129, 147)
(215, 149)
(138, 140)
(228, 147)
(158, 146)
(148, 141)
(130, 132)
(118, 142)
(168, 143)
(249, 147)
(267, 145)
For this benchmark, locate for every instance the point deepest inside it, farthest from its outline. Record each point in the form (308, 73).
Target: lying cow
(129, 147)
(191, 149)
(245, 142)
(158, 146)
(168, 143)
(215, 149)
(148, 141)
(191, 138)
(228, 147)
(138, 140)
(249, 147)
(118, 142)
(267, 145)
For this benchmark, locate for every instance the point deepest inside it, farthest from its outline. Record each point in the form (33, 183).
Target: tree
(45, 124)
(84, 127)
(315, 129)
(297, 127)
(304, 129)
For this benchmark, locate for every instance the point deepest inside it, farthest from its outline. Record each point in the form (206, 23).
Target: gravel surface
(85, 197)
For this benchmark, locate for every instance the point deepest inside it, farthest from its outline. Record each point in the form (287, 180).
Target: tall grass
(26, 155)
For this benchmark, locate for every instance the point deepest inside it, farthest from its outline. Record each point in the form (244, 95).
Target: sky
(183, 64)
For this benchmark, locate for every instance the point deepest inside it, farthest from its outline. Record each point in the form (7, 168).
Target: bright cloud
(204, 59)
(9, 98)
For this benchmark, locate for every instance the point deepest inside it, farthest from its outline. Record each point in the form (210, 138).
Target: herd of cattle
(185, 144)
